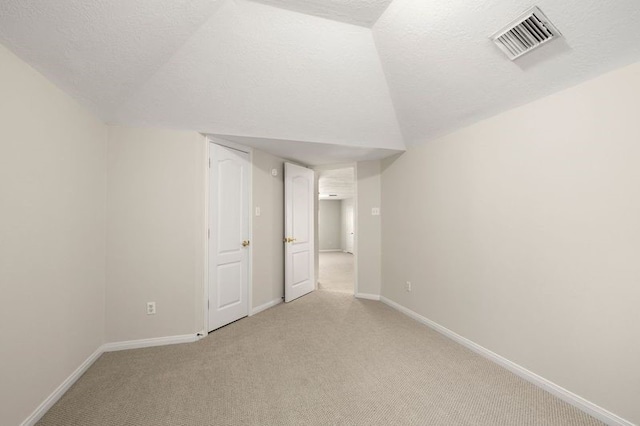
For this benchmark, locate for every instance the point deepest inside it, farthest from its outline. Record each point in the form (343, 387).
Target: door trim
(205, 302)
(356, 290)
(355, 220)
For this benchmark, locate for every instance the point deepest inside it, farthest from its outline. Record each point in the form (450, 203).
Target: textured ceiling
(338, 182)
(99, 51)
(304, 86)
(258, 71)
(310, 153)
(227, 66)
(357, 12)
(444, 73)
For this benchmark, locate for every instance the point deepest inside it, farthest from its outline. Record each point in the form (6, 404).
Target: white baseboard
(266, 306)
(60, 390)
(107, 347)
(554, 389)
(368, 296)
(147, 343)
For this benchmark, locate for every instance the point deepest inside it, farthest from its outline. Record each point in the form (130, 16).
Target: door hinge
(208, 304)
(209, 162)
(209, 233)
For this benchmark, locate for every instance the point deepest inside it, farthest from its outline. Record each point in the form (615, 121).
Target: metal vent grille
(526, 33)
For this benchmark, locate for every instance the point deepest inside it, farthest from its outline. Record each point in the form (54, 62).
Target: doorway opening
(336, 229)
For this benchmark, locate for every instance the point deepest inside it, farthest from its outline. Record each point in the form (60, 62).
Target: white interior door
(229, 235)
(299, 229)
(349, 229)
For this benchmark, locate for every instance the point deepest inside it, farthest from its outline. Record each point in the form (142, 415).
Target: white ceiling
(357, 12)
(338, 182)
(444, 73)
(276, 77)
(100, 51)
(310, 153)
(258, 71)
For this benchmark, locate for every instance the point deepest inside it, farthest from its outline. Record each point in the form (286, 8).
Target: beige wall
(267, 229)
(155, 243)
(52, 237)
(368, 228)
(156, 240)
(329, 224)
(522, 234)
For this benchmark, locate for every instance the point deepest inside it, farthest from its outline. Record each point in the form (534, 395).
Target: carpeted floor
(336, 272)
(324, 359)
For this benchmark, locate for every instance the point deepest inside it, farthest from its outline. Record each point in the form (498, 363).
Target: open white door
(229, 235)
(349, 229)
(299, 257)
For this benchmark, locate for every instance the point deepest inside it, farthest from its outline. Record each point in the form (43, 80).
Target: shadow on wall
(384, 164)
(267, 228)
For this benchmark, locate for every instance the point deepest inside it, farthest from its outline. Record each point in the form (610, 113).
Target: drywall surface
(267, 229)
(521, 233)
(100, 51)
(368, 227)
(256, 70)
(155, 243)
(329, 224)
(444, 72)
(52, 237)
(356, 12)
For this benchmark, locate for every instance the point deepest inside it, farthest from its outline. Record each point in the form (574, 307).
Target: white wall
(368, 231)
(155, 238)
(52, 237)
(268, 229)
(521, 233)
(330, 225)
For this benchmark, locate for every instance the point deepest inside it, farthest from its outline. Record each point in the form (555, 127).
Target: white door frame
(354, 166)
(207, 226)
(356, 290)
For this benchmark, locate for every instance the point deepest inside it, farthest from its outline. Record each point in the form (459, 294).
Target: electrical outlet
(151, 308)
(407, 286)
(375, 211)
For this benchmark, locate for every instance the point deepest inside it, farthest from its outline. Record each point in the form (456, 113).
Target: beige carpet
(336, 272)
(324, 359)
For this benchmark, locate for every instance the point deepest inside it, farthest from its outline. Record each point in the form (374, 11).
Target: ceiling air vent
(526, 33)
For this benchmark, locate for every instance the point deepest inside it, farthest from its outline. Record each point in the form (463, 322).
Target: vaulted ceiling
(357, 12)
(372, 75)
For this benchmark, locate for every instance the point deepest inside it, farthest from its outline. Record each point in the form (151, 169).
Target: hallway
(337, 272)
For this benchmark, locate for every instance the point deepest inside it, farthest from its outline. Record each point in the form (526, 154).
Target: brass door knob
(245, 243)
(288, 240)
